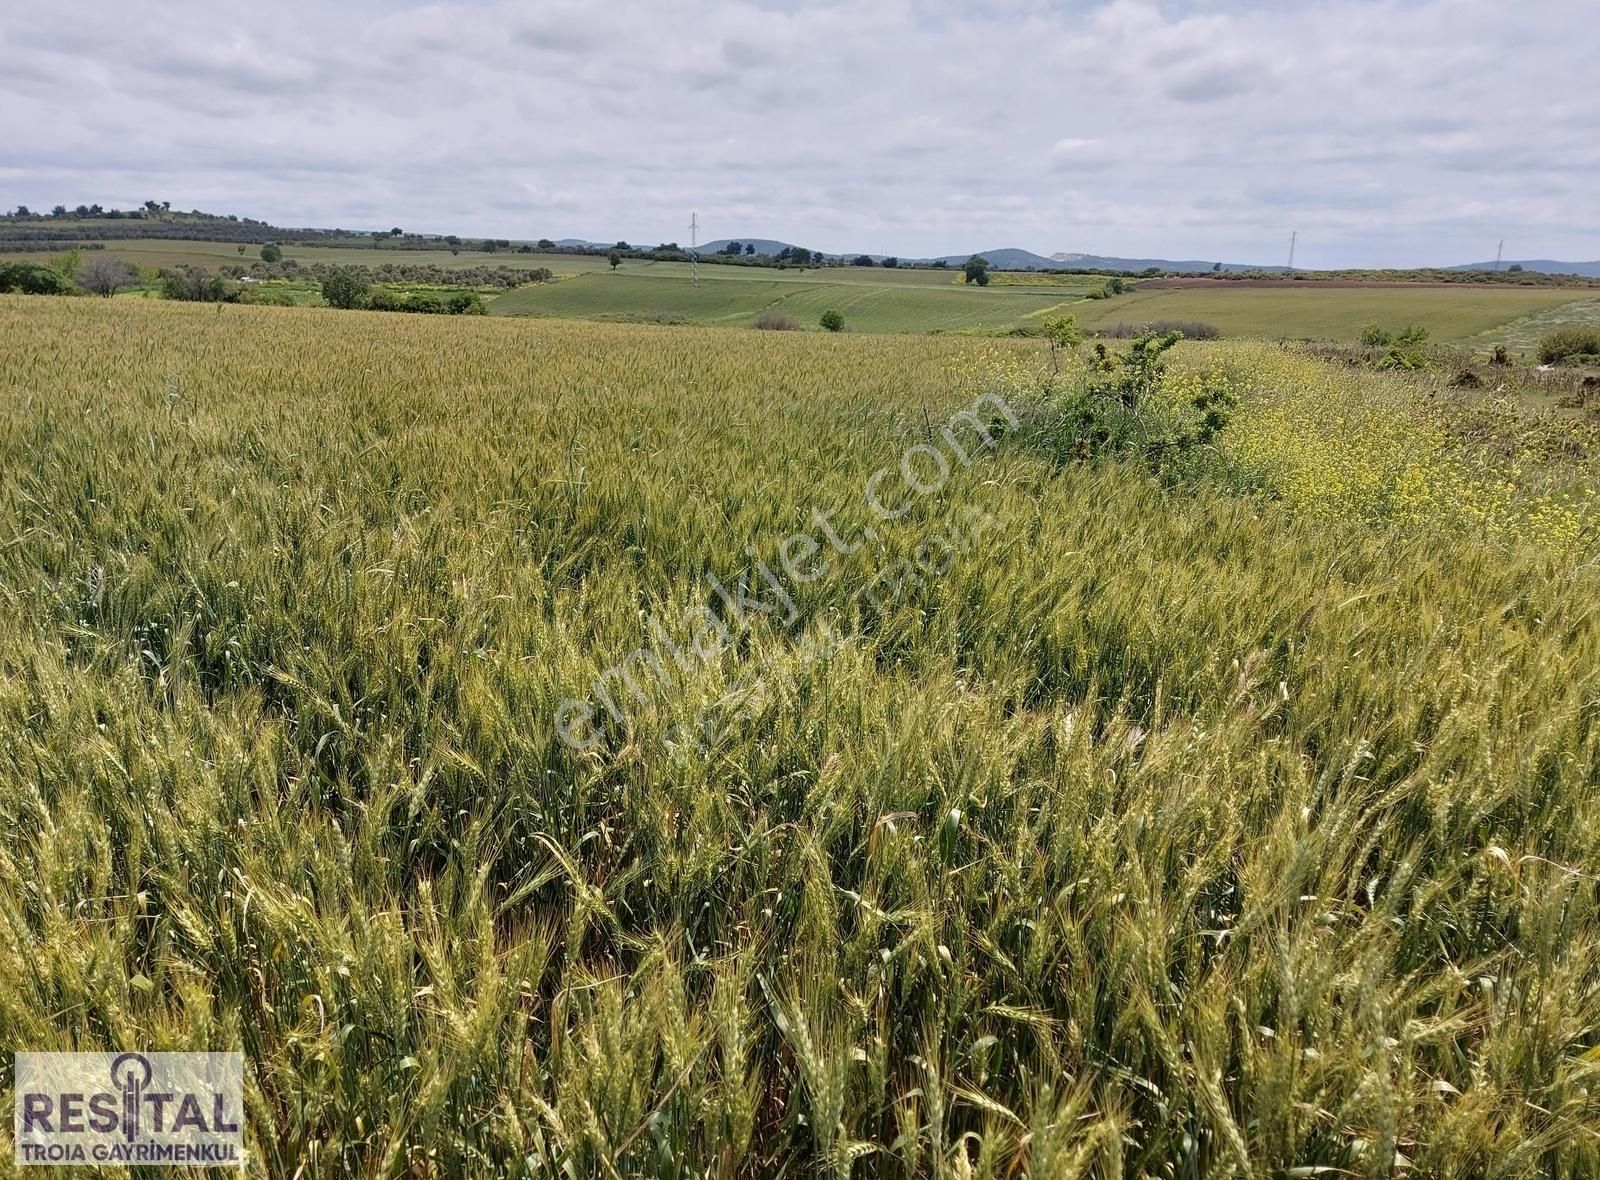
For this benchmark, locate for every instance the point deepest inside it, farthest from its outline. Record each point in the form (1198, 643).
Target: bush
(345, 287)
(833, 320)
(776, 321)
(1124, 408)
(427, 302)
(1189, 329)
(1407, 351)
(383, 299)
(260, 295)
(271, 252)
(29, 278)
(1404, 351)
(195, 284)
(104, 275)
(1567, 344)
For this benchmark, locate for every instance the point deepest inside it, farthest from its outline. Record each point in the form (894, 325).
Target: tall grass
(1168, 833)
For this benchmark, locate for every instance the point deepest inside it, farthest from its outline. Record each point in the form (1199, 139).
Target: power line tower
(1294, 240)
(694, 249)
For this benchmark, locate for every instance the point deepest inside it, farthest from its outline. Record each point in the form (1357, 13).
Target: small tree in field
(344, 287)
(1062, 332)
(615, 259)
(976, 270)
(103, 276)
(272, 252)
(833, 320)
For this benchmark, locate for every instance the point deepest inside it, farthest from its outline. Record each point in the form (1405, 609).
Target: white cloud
(1386, 131)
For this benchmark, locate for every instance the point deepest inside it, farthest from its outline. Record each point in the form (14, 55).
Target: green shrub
(195, 284)
(1124, 408)
(29, 278)
(833, 320)
(262, 295)
(1404, 351)
(345, 286)
(1566, 344)
(384, 299)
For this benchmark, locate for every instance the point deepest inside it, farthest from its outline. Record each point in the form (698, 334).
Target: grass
(873, 300)
(1522, 336)
(1168, 832)
(1327, 313)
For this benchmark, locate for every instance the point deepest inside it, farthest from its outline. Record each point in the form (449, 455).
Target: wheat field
(1073, 822)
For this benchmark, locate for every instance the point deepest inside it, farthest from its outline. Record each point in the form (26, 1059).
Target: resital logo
(173, 1109)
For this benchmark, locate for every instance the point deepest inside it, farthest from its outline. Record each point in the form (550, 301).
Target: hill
(1544, 266)
(767, 247)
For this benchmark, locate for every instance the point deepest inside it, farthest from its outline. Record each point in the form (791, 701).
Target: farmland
(873, 300)
(906, 300)
(1291, 311)
(1066, 818)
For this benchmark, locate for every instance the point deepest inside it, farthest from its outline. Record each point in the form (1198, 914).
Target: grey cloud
(1388, 130)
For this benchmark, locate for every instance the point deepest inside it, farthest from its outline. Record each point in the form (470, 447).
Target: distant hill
(764, 246)
(1544, 266)
(1010, 258)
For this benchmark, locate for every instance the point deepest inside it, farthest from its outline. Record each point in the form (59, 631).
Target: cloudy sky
(1384, 131)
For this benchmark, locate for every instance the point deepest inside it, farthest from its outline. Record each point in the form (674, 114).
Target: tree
(152, 207)
(891, 262)
(833, 320)
(59, 211)
(545, 244)
(731, 249)
(81, 211)
(1062, 332)
(103, 275)
(862, 260)
(345, 286)
(614, 259)
(396, 232)
(193, 284)
(800, 256)
(749, 247)
(30, 278)
(23, 211)
(976, 270)
(1216, 268)
(240, 248)
(272, 252)
(1515, 268)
